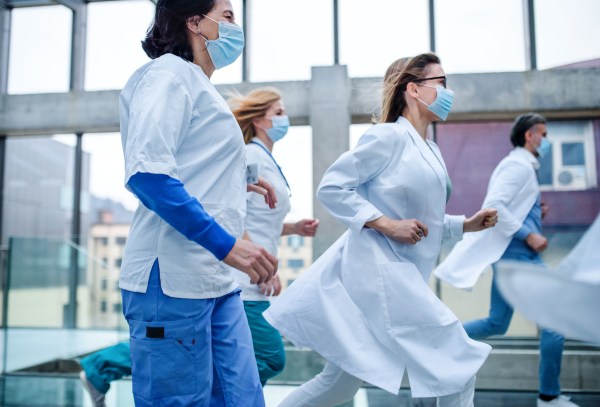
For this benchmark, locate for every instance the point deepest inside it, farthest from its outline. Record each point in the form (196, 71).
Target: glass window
(545, 173)
(286, 48)
(118, 263)
(232, 73)
(121, 241)
(372, 36)
(295, 241)
(40, 50)
(295, 263)
(480, 36)
(294, 155)
(564, 31)
(102, 306)
(118, 307)
(573, 154)
(113, 49)
(104, 284)
(572, 164)
(290, 281)
(38, 188)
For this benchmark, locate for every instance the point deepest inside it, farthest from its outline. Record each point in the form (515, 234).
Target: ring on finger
(420, 233)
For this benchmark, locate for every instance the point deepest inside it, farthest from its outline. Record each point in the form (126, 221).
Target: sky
(287, 38)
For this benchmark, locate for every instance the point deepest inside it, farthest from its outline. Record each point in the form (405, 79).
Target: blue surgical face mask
(279, 129)
(228, 47)
(544, 147)
(443, 102)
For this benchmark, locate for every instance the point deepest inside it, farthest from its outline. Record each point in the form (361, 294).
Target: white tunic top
(365, 305)
(263, 225)
(174, 122)
(512, 191)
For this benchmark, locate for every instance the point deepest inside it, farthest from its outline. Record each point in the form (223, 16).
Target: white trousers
(333, 387)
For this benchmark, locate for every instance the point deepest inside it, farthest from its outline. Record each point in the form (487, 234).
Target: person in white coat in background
(262, 119)
(365, 305)
(515, 192)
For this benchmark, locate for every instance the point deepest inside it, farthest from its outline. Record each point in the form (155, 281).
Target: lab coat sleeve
(337, 191)
(508, 182)
(160, 113)
(168, 198)
(453, 227)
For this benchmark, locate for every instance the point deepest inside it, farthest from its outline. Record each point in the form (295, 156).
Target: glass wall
(564, 31)
(375, 34)
(109, 216)
(40, 50)
(114, 34)
(480, 36)
(288, 38)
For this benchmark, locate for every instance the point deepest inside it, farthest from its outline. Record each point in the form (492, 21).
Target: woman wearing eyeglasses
(365, 305)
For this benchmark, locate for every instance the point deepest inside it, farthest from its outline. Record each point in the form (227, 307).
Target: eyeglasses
(443, 78)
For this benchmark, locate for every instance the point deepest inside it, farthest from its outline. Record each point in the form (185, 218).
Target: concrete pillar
(330, 118)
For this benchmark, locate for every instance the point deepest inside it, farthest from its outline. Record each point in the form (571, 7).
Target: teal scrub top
(448, 183)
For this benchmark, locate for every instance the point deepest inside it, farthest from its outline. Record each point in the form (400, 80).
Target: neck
(529, 147)
(262, 136)
(202, 58)
(419, 122)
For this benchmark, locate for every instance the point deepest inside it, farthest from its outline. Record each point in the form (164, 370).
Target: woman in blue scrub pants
(185, 160)
(261, 116)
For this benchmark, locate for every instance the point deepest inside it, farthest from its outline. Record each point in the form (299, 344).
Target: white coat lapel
(426, 152)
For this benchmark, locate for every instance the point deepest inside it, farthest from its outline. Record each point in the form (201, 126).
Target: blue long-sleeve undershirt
(168, 198)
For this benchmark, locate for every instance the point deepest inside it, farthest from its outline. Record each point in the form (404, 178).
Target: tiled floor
(67, 392)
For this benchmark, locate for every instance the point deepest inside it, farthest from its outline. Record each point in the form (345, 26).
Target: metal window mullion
(246, 5)
(432, 25)
(71, 311)
(529, 32)
(77, 82)
(336, 33)
(5, 17)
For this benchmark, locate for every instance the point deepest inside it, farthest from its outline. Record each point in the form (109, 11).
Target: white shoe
(95, 395)
(560, 401)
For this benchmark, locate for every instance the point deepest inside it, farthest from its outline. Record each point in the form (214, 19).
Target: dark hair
(397, 77)
(167, 33)
(522, 124)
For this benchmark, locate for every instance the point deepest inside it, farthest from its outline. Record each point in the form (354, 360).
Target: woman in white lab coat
(365, 305)
(262, 119)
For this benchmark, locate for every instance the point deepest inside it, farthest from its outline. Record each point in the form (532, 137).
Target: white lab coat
(566, 300)
(263, 224)
(365, 305)
(513, 190)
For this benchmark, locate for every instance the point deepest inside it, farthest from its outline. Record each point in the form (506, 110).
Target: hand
(538, 243)
(272, 288)
(485, 218)
(406, 231)
(306, 227)
(253, 260)
(544, 209)
(266, 189)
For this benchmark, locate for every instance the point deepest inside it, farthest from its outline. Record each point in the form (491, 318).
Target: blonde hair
(252, 106)
(397, 77)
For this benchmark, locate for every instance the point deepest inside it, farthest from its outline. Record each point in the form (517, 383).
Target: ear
(412, 89)
(256, 123)
(192, 23)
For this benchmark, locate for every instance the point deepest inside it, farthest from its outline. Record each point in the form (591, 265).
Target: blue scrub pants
(188, 352)
(107, 365)
(268, 346)
(551, 343)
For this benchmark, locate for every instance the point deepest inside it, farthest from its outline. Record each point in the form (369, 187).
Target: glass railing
(59, 301)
